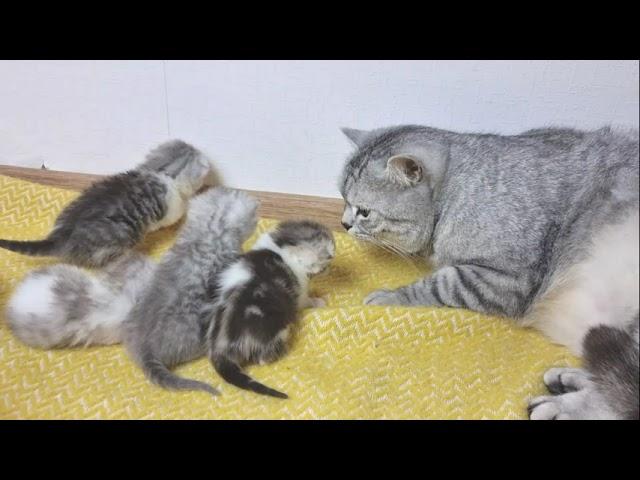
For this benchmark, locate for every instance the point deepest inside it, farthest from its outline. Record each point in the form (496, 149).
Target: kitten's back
(168, 325)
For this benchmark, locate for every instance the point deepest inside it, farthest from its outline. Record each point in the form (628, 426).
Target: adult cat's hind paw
(565, 402)
(565, 380)
(569, 406)
(384, 297)
(543, 408)
(586, 403)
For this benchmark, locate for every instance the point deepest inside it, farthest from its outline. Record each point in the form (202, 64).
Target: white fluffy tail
(65, 306)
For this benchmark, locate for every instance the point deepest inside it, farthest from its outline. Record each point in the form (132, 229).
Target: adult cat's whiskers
(391, 248)
(407, 257)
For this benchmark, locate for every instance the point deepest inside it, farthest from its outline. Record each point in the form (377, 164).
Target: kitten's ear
(404, 170)
(357, 137)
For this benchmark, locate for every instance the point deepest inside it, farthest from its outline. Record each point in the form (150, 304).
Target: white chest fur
(601, 290)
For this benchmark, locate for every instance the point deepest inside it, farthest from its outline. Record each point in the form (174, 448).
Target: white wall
(273, 125)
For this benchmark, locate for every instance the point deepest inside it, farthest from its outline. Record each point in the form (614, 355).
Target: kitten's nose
(346, 225)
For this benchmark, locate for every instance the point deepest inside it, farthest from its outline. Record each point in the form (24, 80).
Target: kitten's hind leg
(84, 254)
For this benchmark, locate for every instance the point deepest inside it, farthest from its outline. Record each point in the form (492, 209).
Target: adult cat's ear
(404, 170)
(357, 137)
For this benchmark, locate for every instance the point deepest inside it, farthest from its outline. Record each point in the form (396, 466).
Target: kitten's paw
(317, 302)
(565, 380)
(383, 297)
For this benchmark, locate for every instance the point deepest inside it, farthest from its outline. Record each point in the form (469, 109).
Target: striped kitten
(167, 326)
(114, 214)
(65, 306)
(259, 297)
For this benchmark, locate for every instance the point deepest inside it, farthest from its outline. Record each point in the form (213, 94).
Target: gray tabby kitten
(259, 298)
(64, 306)
(114, 214)
(541, 227)
(168, 325)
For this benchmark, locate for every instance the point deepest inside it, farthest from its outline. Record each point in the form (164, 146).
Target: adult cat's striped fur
(113, 214)
(541, 227)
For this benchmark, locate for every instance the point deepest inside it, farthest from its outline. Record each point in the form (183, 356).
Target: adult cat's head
(389, 183)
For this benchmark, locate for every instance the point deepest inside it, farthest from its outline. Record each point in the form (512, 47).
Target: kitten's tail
(41, 248)
(159, 374)
(232, 373)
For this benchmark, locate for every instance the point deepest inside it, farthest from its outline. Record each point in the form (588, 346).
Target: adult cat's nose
(346, 225)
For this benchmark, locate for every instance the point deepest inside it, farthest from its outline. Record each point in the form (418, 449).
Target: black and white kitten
(114, 214)
(259, 298)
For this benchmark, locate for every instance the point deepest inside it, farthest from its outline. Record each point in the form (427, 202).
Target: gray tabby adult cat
(541, 227)
(115, 213)
(169, 324)
(64, 306)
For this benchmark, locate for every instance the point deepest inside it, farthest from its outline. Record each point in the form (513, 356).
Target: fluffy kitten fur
(541, 226)
(65, 306)
(169, 323)
(113, 215)
(259, 298)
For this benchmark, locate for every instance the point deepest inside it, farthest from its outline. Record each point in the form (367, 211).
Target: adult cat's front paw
(384, 297)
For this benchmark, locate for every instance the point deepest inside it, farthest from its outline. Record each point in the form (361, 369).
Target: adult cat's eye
(362, 211)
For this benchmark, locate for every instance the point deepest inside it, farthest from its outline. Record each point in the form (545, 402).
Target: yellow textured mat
(346, 362)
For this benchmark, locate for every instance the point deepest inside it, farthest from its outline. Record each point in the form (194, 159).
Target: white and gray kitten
(64, 306)
(167, 326)
(259, 298)
(113, 215)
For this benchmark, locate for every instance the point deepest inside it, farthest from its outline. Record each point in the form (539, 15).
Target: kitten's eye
(362, 211)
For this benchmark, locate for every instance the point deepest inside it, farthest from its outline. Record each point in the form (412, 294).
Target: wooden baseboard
(280, 206)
